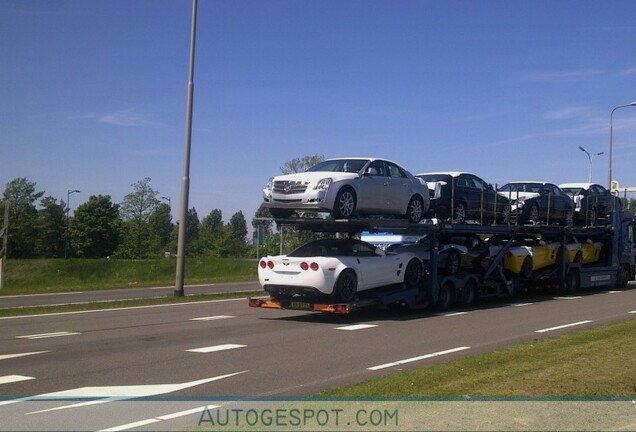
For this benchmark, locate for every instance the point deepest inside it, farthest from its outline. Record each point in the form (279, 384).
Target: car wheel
(280, 213)
(346, 286)
(413, 273)
(578, 258)
(415, 210)
(534, 213)
(453, 261)
(569, 217)
(505, 214)
(446, 295)
(459, 213)
(526, 267)
(345, 204)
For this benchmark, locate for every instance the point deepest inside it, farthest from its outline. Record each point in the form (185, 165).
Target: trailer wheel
(470, 293)
(572, 282)
(534, 213)
(413, 273)
(446, 295)
(346, 286)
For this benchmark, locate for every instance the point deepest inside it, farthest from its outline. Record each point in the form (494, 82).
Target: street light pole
(169, 202)
(68, 209)
(185, 180)
(590, 157)
(609, 171)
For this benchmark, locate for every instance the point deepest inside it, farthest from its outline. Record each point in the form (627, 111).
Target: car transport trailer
(615, 266)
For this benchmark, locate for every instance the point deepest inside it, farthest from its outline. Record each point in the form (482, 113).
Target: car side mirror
(371, 172)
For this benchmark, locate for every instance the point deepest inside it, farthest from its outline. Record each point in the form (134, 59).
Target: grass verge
(38, 276)
(589, 363)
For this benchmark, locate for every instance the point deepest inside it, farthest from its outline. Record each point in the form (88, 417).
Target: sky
(93, 92)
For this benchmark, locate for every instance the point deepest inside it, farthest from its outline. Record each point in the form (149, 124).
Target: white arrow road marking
(356, 327)
(212, 318)
(47, 335)
(14, 378)
(563, 326)
(117, 393)
(10, 356)
(215, 348)
(423, 357)
(158, 419)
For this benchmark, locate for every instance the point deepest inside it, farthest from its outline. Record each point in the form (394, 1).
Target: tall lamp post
(185, 180)
(590, 157)
(609, 171)
(68, 209)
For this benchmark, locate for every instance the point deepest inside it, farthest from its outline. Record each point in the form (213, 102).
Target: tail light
(314, 266)
(304, 265)
(263, 264)
(270, 264)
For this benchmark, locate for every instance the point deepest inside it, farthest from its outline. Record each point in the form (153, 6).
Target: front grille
(290, 187)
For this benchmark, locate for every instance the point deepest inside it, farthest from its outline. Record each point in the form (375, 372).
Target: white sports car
(336, 267)
(349, 186)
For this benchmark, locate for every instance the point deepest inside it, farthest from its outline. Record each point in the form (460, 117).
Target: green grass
(58, 275)
(595, 362)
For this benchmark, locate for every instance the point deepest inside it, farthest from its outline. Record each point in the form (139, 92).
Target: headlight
(270, 184)
(323, 184)
(521, 202)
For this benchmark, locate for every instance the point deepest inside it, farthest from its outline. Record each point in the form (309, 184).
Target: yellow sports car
(526, 254)
(581, 253)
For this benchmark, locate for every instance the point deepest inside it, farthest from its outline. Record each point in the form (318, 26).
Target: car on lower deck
(339, 268)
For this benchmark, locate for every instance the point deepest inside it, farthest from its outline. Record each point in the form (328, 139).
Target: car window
(395, 171)
(433, 178)
(339, 165)
(573, 191)
(377, 168)
(521, 187)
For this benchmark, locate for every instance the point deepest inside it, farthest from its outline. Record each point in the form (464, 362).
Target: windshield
(340, 165)
(521, 187)
(433, 178)
(333, 248)
(573, 191)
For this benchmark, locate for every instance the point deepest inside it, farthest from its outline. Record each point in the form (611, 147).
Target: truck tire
(572, 282)
(470, 293)
(622, 279)
(446, 296)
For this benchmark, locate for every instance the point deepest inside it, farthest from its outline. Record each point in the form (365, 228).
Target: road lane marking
(159, 418)
(10, 356)
(356, 327)
(216, 348)
(116, 393)
(614, 292)
(567, 298)
(632, 312)
(47, 335)
(450, 314)
(7, 379)
(563, 326)
(212, 318)
(423, 357)
(520, 304)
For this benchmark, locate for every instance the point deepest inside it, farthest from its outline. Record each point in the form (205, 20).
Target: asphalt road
(217, 352)
(120, 294)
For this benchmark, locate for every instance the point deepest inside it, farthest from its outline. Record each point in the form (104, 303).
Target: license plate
(301, 305)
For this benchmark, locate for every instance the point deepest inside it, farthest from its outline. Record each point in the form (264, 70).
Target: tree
(161, 226)
(301, 164)
(51, 227)
(193, 229)
(94, 230)
(21, 195)
(211, 233)
(136, 210)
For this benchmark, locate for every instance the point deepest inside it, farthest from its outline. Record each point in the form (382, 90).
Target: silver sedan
(347, 187)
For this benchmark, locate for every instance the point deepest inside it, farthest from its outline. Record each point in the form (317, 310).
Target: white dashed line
(215, 348)
(632, 312)
(413, 359)
(47, 335)
(450, 314)
(212, 318)
(10, 356)
(158, 419)
(356, 327)
(14, 378)
(567, 298)
(520, 304)
(563, 326)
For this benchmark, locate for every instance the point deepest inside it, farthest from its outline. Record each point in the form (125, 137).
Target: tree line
(139, 227)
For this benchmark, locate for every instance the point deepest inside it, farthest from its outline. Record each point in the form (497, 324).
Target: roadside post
(4, 233)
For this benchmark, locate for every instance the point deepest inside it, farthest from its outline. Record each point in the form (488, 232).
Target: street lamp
(68, 209)
(169, 201)
(609, 171)
(590, 157)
